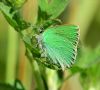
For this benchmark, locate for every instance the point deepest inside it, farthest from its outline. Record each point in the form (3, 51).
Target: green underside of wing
(60, 44)
(70, 32)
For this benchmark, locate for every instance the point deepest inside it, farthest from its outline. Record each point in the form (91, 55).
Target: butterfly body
(59, 46)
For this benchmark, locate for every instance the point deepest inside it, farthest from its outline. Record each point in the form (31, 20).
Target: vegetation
(26, 18)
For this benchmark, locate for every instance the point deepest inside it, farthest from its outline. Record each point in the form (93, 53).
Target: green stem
(36, 72)
(11, 56)
(52, 79)
(38, 76)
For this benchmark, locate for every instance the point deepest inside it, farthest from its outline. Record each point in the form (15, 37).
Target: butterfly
(59, 46)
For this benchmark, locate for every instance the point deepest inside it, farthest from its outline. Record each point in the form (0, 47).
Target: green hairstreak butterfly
(59, 46)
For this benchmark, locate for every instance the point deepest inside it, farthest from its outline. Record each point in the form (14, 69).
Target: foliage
(50, 7)
(88, 59)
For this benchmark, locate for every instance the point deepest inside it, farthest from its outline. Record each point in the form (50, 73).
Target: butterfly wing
(60, 45)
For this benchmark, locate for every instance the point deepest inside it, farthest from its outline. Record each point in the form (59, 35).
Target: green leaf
(16, 3)
(18, 85)
(53, 8)
(76, 69)
(13, 17)
(89, 57)
(56, 7)
(90, 77)
(43, 5)
(9, 16)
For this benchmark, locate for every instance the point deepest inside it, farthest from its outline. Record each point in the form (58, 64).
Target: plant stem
(38, 76)
(11, 56)
(52, 79)
(36, 72)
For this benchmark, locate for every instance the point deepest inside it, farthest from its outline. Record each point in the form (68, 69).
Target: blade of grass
(11, 56)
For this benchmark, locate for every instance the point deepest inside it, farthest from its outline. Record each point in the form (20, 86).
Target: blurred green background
(86, 14)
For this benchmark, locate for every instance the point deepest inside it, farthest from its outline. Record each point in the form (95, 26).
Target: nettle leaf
(53, 8)
(59, 46)
(13, 17)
